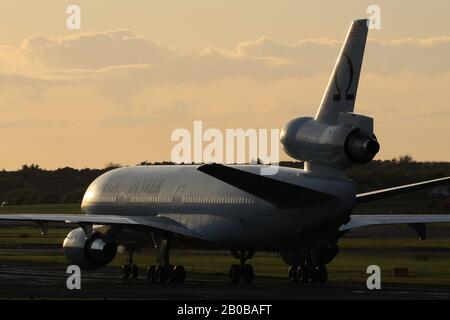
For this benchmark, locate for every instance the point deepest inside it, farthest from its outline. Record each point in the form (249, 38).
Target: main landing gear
(242, 272)
(308, 272)
(164, 272)
(130, 270)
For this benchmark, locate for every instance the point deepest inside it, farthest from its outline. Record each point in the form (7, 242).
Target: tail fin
(341, 91)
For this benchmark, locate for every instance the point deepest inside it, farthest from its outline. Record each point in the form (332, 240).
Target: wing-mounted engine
(88, 254)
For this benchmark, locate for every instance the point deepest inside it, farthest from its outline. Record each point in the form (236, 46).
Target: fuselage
(217, 211)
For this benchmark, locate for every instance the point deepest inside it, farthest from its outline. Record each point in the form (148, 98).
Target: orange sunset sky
(114, 90)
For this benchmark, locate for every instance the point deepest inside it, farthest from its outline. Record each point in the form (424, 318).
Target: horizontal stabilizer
(391, 192)
(282, 194)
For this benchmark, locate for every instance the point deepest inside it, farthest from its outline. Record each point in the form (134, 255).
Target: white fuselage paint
(224, 215)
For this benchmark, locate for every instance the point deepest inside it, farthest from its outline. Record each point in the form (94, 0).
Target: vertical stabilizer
(341, 91)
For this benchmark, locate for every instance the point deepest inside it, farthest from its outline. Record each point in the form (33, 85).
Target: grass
(352, 268)
(30, 236)
(71, 208)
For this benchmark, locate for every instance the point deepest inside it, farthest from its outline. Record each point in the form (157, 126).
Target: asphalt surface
(23, 280)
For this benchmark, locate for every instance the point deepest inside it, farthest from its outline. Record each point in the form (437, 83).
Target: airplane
(299, 213)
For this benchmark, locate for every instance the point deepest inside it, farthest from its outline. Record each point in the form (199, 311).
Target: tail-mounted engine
(350, 141)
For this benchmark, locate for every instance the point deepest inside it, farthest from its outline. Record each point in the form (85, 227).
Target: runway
(48, 281)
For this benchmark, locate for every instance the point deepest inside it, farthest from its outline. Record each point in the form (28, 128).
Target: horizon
(405, 158)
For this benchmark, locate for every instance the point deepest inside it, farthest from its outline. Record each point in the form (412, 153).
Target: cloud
(94, 50)
(120, 64)
(422, 55)
(124, 55)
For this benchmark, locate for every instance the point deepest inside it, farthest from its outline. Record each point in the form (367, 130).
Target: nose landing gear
(242, 271)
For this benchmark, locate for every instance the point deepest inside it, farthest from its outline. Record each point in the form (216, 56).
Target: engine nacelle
(340, 145)
(88, 254)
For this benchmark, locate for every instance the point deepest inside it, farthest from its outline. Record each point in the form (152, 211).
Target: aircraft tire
(235, 273)
(151, 274)
(178, 274)
(134, 271)
(161, 274)
(292, 273)
(304, 274)
(247, 273)
(126, 271)
(320, 275)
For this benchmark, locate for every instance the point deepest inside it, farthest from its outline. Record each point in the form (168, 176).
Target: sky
(115, 90)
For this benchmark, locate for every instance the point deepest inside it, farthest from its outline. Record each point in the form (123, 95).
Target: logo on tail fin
(344, 78)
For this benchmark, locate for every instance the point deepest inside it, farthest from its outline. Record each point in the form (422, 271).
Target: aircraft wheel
(151, 274)
(161, 274)
(304, 274)
(235, 273)
(134, 271)
(126, 271)
(320, 275)
(247, 273)
(178, 274)
(292, 273)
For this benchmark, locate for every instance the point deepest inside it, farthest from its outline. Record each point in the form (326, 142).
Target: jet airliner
(300, 214)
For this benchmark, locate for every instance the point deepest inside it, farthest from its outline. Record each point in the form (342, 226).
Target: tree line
(35, 185)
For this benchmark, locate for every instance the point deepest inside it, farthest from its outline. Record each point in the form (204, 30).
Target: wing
(280, 193)
(155, 222)
(416, 221)
(391, 192)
